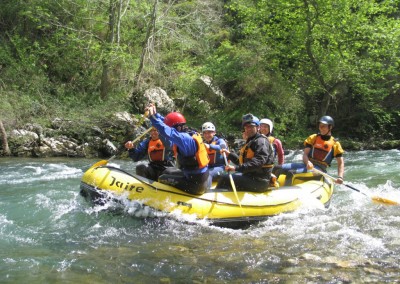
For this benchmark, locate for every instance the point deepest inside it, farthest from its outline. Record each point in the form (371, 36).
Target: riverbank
(106, 138)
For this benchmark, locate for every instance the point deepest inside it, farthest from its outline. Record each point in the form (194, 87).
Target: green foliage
(327, 51)
(288, 60)
(253, 85)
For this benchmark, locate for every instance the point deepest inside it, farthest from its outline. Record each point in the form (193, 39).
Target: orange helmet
(174, 118)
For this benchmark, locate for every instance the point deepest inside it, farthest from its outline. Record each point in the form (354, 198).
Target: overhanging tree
(331, 52)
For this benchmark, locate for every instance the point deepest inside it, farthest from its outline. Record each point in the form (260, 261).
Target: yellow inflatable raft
(219, 206)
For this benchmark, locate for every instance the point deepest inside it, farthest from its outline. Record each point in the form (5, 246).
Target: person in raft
(193, 175)
(266, 128)
(255, 160)
(214, 146)
(158, 151)
(319, 151)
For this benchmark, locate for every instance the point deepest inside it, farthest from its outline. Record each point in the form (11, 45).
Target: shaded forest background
(289, 60)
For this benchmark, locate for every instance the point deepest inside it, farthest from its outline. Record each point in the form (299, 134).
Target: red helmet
(174, 118)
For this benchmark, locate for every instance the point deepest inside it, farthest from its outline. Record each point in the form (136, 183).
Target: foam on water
(41, 172)
(4, 221)
(49, 233)
(11, 233)
(56, 205)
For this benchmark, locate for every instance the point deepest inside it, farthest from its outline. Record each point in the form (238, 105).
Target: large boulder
(154, 95)
(125, 117)
(58, 147)
(159, 96)
(22, 141)
(69, 138)
(97, 147)
(24, 136)
(209, 91)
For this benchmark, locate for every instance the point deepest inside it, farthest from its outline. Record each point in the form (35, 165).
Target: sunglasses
(178, 126)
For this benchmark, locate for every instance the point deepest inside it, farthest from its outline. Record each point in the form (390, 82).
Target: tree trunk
(113, 37)
(327, 96)
(119, 17)
(105, 77)
(6, 149)
(150, 31)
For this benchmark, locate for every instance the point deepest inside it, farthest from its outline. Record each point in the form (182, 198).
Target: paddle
(232, 181)
(377, 199)
(104, 162)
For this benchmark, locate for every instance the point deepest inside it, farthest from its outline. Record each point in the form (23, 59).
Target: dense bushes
(287, 60)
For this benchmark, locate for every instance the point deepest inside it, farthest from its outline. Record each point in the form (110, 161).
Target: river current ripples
(50, 234)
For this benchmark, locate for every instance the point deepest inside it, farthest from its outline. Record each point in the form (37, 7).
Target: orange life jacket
(212, 154)
(156, 151)
(322, 151)
(198, 161)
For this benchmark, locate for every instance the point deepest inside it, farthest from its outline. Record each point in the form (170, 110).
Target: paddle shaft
(333, 179)
(104, 162)
(135, 140)
(232, 181)
(377, 199)
(141, 135)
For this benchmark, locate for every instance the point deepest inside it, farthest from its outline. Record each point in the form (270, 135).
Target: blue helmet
(326, 119)
(250, 119)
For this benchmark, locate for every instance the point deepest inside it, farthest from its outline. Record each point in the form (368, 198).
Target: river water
(50, 234)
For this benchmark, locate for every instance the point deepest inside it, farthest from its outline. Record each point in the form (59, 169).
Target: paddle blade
(382, 200)
(99, 164)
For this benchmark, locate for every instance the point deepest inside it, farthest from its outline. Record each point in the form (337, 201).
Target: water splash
(37, 172)
(49, 232)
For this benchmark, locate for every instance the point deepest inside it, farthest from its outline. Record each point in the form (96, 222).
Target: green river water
(50, 234)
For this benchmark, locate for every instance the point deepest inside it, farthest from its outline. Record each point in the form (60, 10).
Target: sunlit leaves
(326, 49)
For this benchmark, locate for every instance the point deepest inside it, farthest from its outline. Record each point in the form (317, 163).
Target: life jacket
(271, 140)
(322, 151)
(156, 151)
(198, 161)
(246, 153)
(212, 154)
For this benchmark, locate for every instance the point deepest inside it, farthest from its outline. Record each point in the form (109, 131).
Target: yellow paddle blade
(386, 201)
(99, 164)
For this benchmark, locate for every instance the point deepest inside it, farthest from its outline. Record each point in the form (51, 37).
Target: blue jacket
(183, 140)
(140, 151)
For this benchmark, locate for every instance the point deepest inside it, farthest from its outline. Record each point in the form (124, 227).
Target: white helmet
(268, 122)
(208, 126)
